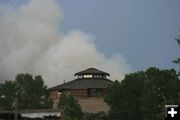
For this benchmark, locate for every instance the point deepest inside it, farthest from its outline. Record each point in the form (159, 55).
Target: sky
(143, 31)
(118, 36)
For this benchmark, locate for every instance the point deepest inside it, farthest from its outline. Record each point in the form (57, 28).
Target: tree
(177, 61)
(33, 93)
(70, 107)
(30, 92)
(125, 98)
(142, 95)
(161, 87)
(7, 94)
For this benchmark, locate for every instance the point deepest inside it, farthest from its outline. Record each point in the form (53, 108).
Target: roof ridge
(91, 71)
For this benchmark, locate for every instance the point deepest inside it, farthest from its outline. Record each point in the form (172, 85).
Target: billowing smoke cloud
(31, 42)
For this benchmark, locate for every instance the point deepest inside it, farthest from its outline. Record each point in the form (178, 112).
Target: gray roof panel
(83, 83)
(92, 71)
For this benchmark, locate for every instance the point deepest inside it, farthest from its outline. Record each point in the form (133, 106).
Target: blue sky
(143, 31)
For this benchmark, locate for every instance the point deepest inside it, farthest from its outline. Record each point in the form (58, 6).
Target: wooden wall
(54, 95)
(79, 93)
(94, 104)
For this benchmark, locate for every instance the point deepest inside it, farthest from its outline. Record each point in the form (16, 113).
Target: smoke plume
(32, 42)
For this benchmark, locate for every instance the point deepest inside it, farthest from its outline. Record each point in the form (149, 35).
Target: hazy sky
(143, 31)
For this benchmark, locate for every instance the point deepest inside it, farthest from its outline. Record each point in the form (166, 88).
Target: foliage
(70, 107)
(161, 87)
(7, 93)
(177, 61)
(31, 93)
(62, 101)
(95, 116)
(142, 95)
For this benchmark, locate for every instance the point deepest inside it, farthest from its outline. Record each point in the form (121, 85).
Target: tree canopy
(177, 61)
(31, 93)
(7, 94)
(142, 95)
(70, 107)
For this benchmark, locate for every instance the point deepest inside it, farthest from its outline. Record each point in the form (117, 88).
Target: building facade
(89, 88)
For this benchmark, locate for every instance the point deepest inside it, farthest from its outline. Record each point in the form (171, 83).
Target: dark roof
(83, 84)
(91, 71)
(55, 88)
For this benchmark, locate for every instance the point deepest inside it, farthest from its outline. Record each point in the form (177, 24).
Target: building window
(97, 76)
(80, 76)
(95, 92)
(104, 76)
(87, 76)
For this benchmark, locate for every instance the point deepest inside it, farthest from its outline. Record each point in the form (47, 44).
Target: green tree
(161, 87)
(62, 101)
(142, 95)
(70, 107)
(125, 98)
(31, 93)
(177, 61)
(7, 94)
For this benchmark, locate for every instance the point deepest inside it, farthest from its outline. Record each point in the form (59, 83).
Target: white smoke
(31, 42)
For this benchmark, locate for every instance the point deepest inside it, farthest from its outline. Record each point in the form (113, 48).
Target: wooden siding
(54, 95)
(79, 93)
(93, 104)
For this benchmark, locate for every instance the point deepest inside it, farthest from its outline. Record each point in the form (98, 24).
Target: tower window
(87, 76)
(97, 76)
(80, 76)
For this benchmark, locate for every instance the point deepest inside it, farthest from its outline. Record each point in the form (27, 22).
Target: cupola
(92, 73)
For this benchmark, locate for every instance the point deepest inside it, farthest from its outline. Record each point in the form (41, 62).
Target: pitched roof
(83, 84)
(92, 71)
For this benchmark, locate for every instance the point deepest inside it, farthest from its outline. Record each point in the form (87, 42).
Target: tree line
(143, 95)
(25, 92)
